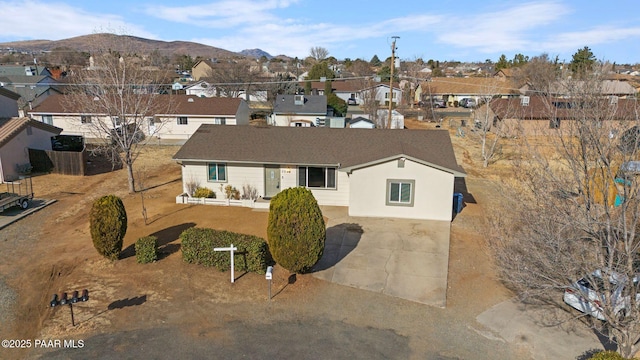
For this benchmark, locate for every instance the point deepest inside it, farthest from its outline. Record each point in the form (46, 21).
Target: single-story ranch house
(376, 173)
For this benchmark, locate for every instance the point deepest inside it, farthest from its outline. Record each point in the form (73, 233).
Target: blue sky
(462, 30)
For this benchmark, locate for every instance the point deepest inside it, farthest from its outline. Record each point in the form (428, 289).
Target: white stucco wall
(433, 193)
(285, 120)
(253, 174)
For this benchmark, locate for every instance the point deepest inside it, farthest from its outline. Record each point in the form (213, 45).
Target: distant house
(32, 88)
(382, 173)
(189, 112)
(361, 123)
(549, 116)
(202, 69)
(204, 89)
(17, 136)
(293, 109)
(357, 92)
(8, 103)
(452, 90)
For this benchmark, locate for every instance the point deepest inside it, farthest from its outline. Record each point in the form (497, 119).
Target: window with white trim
(47, 119)
(182, 120)
(217, 172)
(85, 119)
(400, 192)
(317, 177)
(220, 121)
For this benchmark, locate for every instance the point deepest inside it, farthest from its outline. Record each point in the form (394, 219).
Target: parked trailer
(18, 194)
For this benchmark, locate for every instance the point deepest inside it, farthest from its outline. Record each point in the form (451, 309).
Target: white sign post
(231, 249)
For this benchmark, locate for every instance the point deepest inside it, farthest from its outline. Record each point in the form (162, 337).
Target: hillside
(95, 42)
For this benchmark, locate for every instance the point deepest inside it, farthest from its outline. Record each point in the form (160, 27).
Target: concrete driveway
(403, 258)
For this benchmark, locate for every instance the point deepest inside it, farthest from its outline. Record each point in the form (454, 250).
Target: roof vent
(524, 101)
(190, 100)
(298, 99)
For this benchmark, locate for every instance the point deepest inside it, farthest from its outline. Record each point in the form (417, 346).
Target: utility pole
(393, 61)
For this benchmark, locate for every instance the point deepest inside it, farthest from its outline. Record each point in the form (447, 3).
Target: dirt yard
(51, 252)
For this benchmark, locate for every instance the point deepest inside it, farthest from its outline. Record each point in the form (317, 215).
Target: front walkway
(398, 257)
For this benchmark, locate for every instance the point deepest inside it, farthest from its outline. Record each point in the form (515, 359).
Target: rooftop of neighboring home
(544, 108)
(300, 104)
(469, 86)
(11, 127)
(345, 148)
(180, 105)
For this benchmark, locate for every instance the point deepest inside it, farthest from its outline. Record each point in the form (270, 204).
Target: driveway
(404, 258)
(16, 213)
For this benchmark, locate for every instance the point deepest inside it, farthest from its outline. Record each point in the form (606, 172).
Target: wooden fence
(59, 162)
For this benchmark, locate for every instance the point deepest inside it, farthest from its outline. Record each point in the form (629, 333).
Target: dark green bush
(296, 230)
(607, 355)
(198, 243)
(108, 225)
(203, 192)
(147, 249)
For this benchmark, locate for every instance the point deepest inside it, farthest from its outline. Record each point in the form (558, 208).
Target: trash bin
(457, 203)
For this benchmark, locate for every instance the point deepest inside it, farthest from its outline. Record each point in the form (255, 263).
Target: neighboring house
(17, 136)
(382, 173)
(8, 103)
(452, 90)
(32, 88)
(361, 123)
(189, 112)
(539, 115)
(204, 89)
(292, 109)
(382, 119)
(617, 88)
(202, 69)
(356, 92)
(344, 89)
(381, 93)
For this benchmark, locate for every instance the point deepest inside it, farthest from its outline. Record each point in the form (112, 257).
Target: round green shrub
(296, 231)
(146, 249)
(607, 355)
(203, 192)
(108, 225)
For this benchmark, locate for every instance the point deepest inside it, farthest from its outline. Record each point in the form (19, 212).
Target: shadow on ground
(165, 237)
(123, 303)
(341, 240)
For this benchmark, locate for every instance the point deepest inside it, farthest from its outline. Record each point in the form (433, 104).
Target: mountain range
(95, 42)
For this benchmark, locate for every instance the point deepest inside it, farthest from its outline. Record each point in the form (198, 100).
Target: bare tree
(232, 78)
(573, 212)
(318, 53)
(120, 98)
(486, 127)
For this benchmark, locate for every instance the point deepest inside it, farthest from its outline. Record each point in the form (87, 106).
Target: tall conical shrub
(296, 230)
(108, 224)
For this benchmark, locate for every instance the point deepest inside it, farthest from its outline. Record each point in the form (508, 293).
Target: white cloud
(591, 37)
(505, 30)
(221, 14)
(59, 21)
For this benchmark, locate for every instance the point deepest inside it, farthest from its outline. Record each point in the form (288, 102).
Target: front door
(271, 180)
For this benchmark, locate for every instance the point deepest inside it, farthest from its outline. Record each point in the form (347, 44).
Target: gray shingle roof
(348, 148)
(313, 105)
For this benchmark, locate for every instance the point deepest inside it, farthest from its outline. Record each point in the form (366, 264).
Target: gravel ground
(8, 299)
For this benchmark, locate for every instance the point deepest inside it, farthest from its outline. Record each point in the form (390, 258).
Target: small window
(85, 119)
(218, 172)
(220, 121)
(182, 120)
(400, 192)
(115, 120)
(554, 123)
(47, 119)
